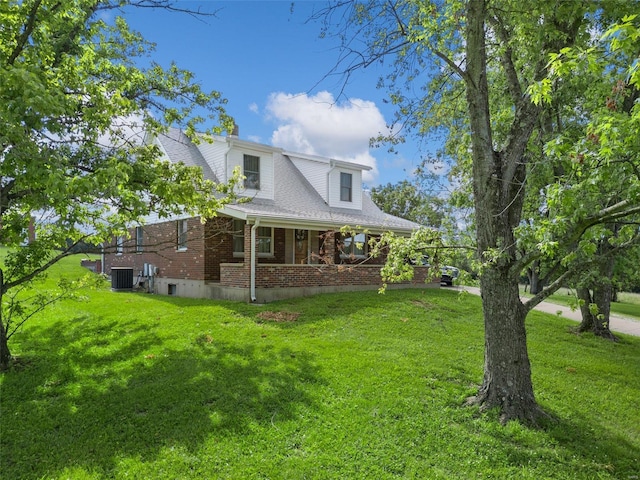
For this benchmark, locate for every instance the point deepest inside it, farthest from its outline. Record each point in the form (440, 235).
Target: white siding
(334, 189)
(315, 173)
(215, 155)
(236, 159)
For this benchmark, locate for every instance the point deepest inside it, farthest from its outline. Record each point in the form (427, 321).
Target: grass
(628, 304)
(348, 386)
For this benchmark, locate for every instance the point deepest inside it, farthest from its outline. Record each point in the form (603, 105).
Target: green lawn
(343, 386)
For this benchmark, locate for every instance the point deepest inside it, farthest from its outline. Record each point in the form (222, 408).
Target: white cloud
(318, 125)
(253, 107)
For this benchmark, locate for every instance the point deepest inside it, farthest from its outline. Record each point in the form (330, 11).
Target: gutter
(252, 277)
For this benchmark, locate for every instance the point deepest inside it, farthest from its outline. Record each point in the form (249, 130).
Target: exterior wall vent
(121, 278)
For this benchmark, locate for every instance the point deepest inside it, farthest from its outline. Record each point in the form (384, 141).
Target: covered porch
(306, 261)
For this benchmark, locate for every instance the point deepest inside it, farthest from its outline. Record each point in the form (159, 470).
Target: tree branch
(26, 32)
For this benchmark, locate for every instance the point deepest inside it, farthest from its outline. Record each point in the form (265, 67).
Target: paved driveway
(616, 323)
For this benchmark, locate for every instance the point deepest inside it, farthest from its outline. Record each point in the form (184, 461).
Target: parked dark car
(448, 275)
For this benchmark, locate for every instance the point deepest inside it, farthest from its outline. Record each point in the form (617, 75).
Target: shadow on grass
(92, 394)
(588, 447)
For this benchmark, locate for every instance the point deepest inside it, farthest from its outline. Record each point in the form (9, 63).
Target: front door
(301, 246)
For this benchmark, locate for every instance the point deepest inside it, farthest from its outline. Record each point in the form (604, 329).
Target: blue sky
(270, 63)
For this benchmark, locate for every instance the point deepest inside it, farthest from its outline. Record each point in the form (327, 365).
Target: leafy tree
(484, 69)
(404, 199)
(74, 164)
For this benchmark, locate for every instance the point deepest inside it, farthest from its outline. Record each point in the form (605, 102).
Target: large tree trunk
(498, 189)
(598, 322)
(588, 319)
(535, 284)
(602, 294)
(507, 371)
(5, 353)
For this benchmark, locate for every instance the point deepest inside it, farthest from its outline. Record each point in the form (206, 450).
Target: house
(284, 242)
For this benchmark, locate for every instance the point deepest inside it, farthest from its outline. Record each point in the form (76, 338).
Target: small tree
(76, 114)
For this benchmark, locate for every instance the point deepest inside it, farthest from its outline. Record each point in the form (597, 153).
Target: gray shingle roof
(180, 149)
(296, 201)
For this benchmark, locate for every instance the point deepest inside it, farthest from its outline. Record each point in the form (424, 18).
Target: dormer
(344, 184)
(337, 181)
(256, 163)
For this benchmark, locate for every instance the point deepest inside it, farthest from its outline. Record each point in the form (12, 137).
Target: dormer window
(346, 187)
(252, 172)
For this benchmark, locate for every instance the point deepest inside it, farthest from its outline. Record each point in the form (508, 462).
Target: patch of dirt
(279, 317)
(422, 303)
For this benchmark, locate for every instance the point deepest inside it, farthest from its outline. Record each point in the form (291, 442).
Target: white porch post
(252, 276)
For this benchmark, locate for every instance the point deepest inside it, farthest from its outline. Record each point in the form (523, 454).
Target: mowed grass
(343, 386)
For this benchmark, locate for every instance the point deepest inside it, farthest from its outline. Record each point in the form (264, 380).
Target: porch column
(329, 247)
(247, 245)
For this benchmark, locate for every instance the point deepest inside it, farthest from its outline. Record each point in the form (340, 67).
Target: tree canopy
(76, 116)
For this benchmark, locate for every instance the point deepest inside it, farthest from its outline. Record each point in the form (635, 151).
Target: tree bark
(499, 195)
(5, 353)
(603, 290)
(507, 371)
(535, 285)
(588, 320)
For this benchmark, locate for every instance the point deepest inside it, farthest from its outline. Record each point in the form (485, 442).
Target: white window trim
(181, 229)
(119, 245)
(244, 172)
(139, 240)
(259, 254)
(350, 200)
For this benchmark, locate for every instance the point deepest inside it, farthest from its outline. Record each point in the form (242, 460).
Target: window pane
(359, 244)
(138, 239)
(238, 244)
(182, 234)
(263, 240)
(345, 187)
(238, 236)
(252, 172)
(263, 245)
(355, 245)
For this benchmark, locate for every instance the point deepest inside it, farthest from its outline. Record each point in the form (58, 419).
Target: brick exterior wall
(159, 248)
(282, 276)
(219, 247)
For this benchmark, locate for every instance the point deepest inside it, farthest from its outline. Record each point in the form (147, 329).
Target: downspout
(252, 277)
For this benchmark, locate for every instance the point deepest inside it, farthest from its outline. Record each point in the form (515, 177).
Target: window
(355, 246)
(345, 187)
(119, 245)
(138, 239)
(181, 234)
(238, 236)
(252, 172)
(264, 239)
